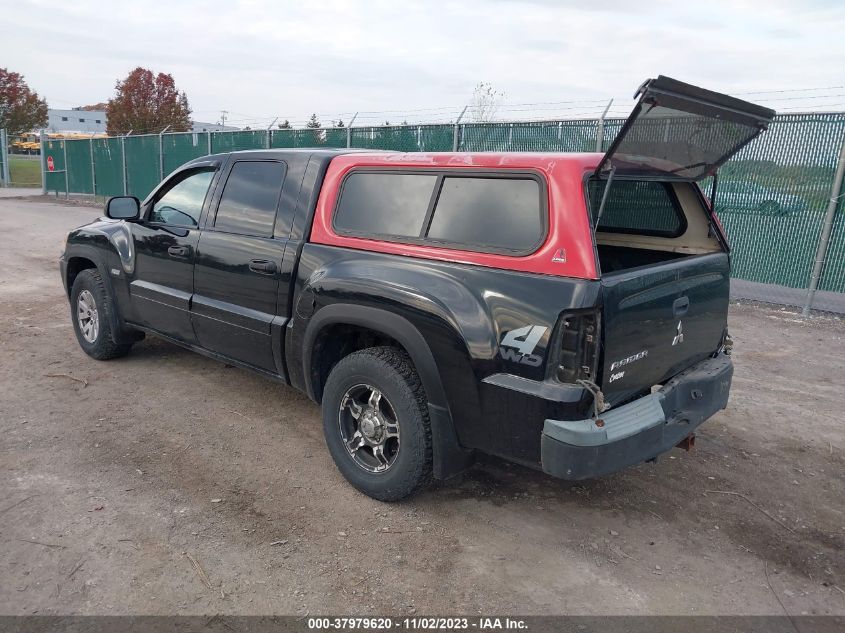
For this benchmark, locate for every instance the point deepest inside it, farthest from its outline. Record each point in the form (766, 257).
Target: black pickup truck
(564, 311)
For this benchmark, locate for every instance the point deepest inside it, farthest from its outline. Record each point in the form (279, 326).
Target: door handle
(680, 306)
(179, 251)
(262, 266)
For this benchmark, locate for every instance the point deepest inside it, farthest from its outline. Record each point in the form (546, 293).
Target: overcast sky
(421, 60)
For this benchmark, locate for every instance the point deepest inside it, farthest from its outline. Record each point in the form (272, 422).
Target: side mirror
(123, 208)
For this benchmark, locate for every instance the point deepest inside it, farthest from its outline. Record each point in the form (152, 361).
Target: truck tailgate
(659, 320)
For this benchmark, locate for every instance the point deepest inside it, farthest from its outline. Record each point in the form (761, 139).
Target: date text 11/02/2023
(416, 623)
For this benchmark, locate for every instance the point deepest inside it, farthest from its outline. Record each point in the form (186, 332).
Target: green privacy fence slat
(56, 178)
(612, 127)
(545, 136)
(334, 137)
(771, 198)
(178, 149)
(414, 138)
(142, 164)
(234, 141)
(80, 171)
(108, 166)
(289, 139)
(833, 273)
(434, 138)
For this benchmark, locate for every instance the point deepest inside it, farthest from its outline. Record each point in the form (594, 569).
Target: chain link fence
(4, 159)
(19, 168)
(772, 197)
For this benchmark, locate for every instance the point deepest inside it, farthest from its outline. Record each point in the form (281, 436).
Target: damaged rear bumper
(640, 430)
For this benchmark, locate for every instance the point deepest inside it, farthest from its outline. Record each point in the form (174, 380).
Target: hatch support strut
(604, 197)
(713, 191)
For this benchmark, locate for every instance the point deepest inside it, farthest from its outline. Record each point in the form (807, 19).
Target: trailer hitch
(687, 443)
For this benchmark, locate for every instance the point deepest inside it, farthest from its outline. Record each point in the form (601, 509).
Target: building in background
(199, 126)
(82, 121)
(76, 120)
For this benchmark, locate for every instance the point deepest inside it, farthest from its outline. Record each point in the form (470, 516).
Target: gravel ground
(168, 483)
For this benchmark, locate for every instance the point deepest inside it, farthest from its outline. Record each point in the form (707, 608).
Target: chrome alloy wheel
(87, 316)
(369, 428)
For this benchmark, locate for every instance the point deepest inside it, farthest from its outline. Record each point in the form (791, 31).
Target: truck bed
(616, 258)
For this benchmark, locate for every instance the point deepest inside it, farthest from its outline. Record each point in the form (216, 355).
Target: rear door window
(250, 198)
(642, 207)
(492, 214)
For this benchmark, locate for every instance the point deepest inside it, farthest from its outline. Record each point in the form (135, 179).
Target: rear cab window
(639, 207)
(485, 212)
(647, 222)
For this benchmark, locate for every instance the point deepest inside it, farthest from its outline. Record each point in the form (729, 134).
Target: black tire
(389, 371)
(97, 342)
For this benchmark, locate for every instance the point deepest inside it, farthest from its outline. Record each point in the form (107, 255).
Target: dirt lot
(117, 490)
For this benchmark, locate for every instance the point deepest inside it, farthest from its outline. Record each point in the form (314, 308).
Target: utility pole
(223, 114)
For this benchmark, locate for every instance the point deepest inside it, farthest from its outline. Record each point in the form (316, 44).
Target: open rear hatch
(680, 131)
(668, 313)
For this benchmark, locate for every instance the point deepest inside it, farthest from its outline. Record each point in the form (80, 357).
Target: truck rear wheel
(375, 419)
(90, 310)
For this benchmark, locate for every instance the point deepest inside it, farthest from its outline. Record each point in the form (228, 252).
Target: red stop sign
(51, 166)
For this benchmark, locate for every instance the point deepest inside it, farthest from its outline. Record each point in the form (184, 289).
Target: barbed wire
(507, 111)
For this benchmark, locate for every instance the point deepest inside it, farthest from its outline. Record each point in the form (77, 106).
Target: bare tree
(485, 102)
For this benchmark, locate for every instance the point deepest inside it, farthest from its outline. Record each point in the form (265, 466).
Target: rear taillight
(578, 337)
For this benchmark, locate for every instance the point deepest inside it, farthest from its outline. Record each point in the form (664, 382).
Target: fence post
(827, 229)
(123, 162)
(4, 148)
(43, 161)
(161, 153)
(456, 132)
(600, 130)
(64, 155)
(349, 130)
(270, 133)
(93, 174)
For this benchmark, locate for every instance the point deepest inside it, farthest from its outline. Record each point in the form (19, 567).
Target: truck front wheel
(375, 419)
(90, 309)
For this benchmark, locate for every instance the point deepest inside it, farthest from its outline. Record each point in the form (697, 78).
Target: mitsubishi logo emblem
(679, 335)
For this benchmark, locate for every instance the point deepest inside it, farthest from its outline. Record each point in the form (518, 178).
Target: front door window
(182, 204)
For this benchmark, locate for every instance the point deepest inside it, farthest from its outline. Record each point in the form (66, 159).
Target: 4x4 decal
(518, 345)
